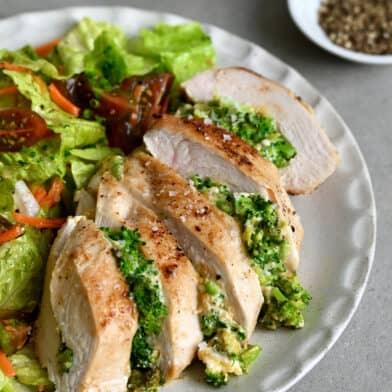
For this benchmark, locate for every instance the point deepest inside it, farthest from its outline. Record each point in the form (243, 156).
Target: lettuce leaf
(110, 63)
(6, 198)
(79, 41)
(27, 368)
(37, 163)
(27, 58)
(75, 132)
(183, 49)
(21, 270)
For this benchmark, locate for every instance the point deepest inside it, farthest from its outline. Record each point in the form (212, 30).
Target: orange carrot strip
(41, 83)
(53, 197)
(39, 193)
(63, 102)
(11, 234)
(44, 49)
(20, 68)
(9, 90)
(39, 223)
(6, 365)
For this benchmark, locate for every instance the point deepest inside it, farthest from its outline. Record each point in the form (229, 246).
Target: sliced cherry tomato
(20, 128)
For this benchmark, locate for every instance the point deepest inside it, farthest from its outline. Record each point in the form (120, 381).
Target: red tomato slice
(20, 128)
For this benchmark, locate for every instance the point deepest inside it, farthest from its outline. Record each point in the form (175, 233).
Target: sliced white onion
(24, 200)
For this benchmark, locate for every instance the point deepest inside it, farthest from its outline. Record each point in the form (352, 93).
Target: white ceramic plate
(305, 15)
(339, 219)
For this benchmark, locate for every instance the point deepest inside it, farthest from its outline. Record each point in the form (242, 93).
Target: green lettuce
(27, 368)
(5, 383)
(6, 198)
(79, 41)
(183, 49)
(109, 63)
(21, 270)
(27, 58)
(84, 162)
(38, 163)
(75, 132)
(81, 144)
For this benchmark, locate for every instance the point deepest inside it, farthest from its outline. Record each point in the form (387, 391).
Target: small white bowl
(305, 16)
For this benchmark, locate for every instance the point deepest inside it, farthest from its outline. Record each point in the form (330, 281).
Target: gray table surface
(361, 361)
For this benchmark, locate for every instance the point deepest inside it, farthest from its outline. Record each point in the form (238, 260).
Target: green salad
(65, 108)
(74, 107)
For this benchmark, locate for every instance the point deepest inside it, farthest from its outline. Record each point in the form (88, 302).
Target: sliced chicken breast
(193, 147)
(210, 238)
(316, 157)
(181, 331)
(89, 310)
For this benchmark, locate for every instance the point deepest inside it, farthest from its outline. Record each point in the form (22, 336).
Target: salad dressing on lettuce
(64, 109)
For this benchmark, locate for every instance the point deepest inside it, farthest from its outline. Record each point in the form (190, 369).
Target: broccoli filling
(224, 350)
(141, 275)
(64, 358)
(259, 131)
(285, 298)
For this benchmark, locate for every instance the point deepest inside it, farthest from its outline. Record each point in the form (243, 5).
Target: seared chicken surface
(210, 238)
(192, 147)
(86, 306)
(181, 332)
(316, 157)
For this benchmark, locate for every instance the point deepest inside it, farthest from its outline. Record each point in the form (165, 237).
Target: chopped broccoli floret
(285, 297)
(141, 275)
(224, 348)
(285, 303)
(64, 358)
(259, 131)
(248, 356)
(216, 379)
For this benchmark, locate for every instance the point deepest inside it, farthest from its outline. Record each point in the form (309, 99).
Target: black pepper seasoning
(359, 25)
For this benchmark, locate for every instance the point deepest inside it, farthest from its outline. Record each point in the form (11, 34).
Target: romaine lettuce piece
(6, 198)
(27, 368)
(26, 57)
(75, 132)
(183, 49)
(37, 163)
(109, 63)
(79, 41)
(21, 270)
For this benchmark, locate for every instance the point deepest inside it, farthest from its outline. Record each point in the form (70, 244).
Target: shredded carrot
(9, 90)
(39, 193)
(39, 223)
(45, 49)
(14, 67)
(41, 83)
(20, 68)
(62, 101)
(11, 234)
(6, 365)
(53, 197)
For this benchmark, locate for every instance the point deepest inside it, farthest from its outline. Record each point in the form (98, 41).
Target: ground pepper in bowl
(359, 25)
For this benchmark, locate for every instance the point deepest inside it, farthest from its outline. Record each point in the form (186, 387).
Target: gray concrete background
(361, 361)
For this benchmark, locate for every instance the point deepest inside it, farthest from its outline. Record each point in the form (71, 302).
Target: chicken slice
(181, 331)
(193, 147)
(210, 238)
(316, 157)
(87, 299)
